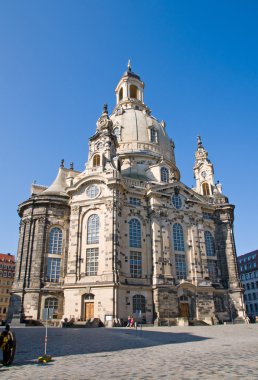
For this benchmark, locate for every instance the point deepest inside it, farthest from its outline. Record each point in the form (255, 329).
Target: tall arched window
(135, 233)
(93, 229)
(164, 175)
(178, 237)
(55, 241)
(139, 303)
(205, 189)
(209, 243)
(133, 92)
(96, 160)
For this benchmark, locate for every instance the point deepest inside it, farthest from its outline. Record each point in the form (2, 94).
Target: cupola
(130, 88)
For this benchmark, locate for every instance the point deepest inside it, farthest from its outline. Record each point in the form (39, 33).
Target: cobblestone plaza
(214, 352)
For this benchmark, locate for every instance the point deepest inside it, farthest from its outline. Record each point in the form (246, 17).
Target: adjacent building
(248, 272)
(7, 270)
(125, 235)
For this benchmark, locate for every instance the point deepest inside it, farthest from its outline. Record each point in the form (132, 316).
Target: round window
(177, 201)
(92, 191)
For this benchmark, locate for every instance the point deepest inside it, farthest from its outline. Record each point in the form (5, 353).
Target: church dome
(139, 134)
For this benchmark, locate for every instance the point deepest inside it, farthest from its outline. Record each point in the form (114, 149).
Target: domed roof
(141, 132)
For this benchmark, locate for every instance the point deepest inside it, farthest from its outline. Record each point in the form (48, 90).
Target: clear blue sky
(61, 60)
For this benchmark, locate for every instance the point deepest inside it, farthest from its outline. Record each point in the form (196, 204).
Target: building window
(133, 92)
(139, 303)
(209, 243)
(135, 233)
(55, 241)
(205, 189)
(51, 303)
(136, 264)
(177, 201)
(53, 269)
(93, 229)
(212, 269)
(164, 175)
(180, 267)
(178, 237)
(92, 191)
(207, 215)
(92, 261)
(153, 135)
(134, 201)
(96, 160)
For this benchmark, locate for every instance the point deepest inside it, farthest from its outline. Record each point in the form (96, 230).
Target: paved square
(215, 352)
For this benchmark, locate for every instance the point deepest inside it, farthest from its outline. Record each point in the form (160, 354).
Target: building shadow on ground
(81, 341)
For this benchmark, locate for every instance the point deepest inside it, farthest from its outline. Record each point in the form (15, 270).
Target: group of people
(130, 321)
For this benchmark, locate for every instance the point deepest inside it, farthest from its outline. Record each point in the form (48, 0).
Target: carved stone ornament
(104, 122)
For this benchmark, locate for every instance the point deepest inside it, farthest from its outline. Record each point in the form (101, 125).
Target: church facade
(126, 236)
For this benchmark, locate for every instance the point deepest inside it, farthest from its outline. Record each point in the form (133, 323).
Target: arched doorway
(88, 306)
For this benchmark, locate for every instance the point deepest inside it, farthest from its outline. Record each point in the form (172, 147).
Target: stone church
(125, 236)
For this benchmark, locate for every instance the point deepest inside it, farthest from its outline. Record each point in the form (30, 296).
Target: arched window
(93, 229)
(96, 160)
(178, 237)
(139, 303)
(164, 175)
(209, 243)
(51, 305)
(205, 189)
(121, 93)
(153, 135)
(133, 92)
(55, 241)
(135, 233)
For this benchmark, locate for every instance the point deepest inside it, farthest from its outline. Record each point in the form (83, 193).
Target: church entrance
(88, 310)
(184, 309)
(88, 306)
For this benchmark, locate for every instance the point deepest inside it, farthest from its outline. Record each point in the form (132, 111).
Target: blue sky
(61, 60)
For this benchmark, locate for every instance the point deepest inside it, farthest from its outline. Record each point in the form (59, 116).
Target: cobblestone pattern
(174, 353)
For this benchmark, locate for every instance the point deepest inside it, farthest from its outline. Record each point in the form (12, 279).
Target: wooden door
(89, 310)
(184, 309)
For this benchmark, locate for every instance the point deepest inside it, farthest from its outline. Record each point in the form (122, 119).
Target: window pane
(55, 241)
(180, 267)
(53, 269)
(136, 264)
(178, 237)
(51, 303)
(92, 261)
(135, 201)
(135, 233)
(177, 202)
(164, 175)
(209, 243)
(139, 303)
(212, 269)
(93, 229)
(153, 135)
